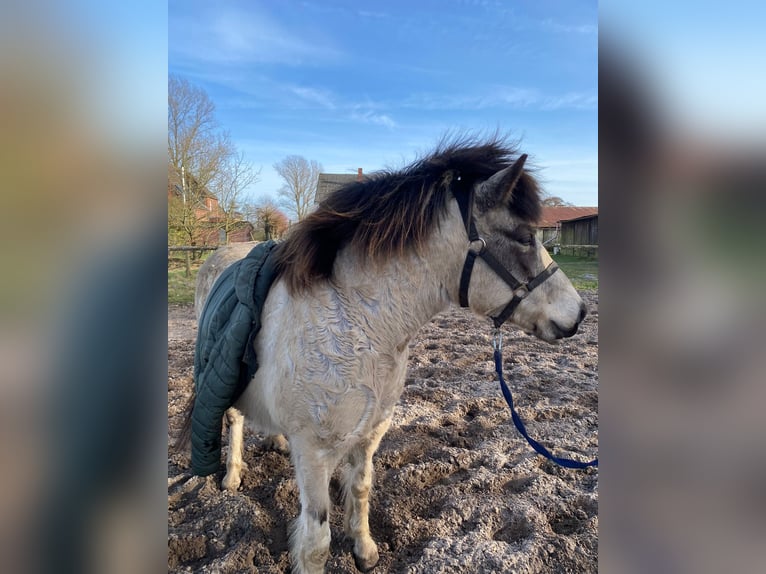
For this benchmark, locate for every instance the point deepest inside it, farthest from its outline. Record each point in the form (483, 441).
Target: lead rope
(497, 345)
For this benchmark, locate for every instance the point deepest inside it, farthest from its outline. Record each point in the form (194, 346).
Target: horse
(213, 266)
(356, 279)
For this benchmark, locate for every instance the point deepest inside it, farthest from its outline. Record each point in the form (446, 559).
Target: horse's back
(212, 268)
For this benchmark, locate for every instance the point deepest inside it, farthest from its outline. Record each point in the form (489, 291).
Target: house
(550, 222)
(329, 182)
(206, 204)
(242, 231)
(210, 218)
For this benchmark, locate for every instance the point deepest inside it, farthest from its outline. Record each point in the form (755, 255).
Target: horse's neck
(397, 297)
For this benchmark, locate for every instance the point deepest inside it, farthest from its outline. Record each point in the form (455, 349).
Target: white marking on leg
(310, 534)
(234, 464)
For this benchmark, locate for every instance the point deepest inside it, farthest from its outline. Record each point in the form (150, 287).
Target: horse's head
(506, 208)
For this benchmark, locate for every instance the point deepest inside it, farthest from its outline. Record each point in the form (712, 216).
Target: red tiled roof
(551, 215)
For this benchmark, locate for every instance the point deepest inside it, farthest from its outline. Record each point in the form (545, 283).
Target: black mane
(392, 211)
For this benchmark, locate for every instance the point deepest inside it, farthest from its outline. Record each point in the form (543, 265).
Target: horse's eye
(527, 240)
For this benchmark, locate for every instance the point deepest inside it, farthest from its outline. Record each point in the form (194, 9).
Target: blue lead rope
(497, 344)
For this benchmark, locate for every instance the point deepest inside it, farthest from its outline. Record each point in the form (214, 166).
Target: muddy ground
(456, 488)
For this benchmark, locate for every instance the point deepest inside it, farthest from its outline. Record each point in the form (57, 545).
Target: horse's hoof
(366, 565)
(231, 483)
(277, 443)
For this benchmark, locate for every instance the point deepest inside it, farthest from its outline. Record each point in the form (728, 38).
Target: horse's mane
(393, 211)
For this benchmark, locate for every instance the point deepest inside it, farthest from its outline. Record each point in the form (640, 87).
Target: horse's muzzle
(561, 333)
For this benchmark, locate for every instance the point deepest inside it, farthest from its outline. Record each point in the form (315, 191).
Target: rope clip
(497, 340)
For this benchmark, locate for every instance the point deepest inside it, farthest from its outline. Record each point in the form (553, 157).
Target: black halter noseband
(520, 289)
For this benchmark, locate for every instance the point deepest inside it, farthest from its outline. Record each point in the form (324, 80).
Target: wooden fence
(172, 248)
(578, 250)
(189, 252)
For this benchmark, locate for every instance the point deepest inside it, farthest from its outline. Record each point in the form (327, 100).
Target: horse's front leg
(310, 534)
(357, 484)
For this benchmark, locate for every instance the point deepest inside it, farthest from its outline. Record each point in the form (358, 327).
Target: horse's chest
(348, 372)
(352, 360)
(349, 365)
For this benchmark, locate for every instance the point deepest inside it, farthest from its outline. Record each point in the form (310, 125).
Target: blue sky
(372, 84)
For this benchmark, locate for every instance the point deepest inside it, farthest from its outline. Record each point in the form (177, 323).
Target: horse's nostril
(560, 332)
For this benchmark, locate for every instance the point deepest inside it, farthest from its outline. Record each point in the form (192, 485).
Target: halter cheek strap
(465, 202)
(465, 277)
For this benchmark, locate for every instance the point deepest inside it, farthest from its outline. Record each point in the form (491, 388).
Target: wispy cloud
(570, 101)
(240, 37)
(584, 29)
(512, 96)
(371, 14)
(294, 97)
(317, 96)
(505, 97)
(371, 117)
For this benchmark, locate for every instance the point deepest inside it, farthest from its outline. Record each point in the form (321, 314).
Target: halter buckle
(522, 291)
(481, 249)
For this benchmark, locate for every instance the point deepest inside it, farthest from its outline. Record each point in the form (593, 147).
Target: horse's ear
(498, 188)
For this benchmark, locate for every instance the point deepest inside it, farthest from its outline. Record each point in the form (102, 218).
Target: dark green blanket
(224, 359)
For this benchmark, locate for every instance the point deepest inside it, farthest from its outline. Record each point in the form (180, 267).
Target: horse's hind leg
(278, 443)
(234, 464)
(310, 534)
(357, 484)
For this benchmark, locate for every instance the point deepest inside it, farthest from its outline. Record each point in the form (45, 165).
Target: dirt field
(456, 489)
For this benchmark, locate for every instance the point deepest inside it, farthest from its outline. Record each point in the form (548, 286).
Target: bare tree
(197, 153)
(195, 139)
(300, 175)
(235, 175)
(265, 215)
(555, 201)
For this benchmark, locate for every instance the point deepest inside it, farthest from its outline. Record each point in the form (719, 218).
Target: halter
(520, 289)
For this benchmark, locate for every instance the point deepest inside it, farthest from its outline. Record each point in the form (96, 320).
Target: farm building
(579, 236)
(329, 182)
(549, 225)
(580, 230)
